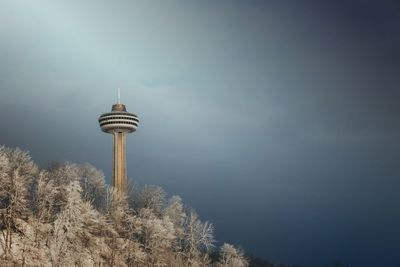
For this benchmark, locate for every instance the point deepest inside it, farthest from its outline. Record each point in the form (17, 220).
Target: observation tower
(119, 123)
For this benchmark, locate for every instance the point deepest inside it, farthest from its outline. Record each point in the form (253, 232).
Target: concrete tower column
(119, 162)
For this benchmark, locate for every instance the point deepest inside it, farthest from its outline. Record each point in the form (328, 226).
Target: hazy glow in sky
(276, 120)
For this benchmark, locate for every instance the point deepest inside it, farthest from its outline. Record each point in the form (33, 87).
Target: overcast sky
(278, 121)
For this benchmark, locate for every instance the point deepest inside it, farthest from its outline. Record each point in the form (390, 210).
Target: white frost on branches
(231, 257)
(66, 216)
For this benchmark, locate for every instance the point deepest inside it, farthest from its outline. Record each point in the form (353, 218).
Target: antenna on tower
(119, 96)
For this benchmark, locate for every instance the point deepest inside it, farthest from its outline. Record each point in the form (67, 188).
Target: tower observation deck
(119, 123)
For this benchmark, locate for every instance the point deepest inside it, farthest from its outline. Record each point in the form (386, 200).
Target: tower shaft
(119, 162)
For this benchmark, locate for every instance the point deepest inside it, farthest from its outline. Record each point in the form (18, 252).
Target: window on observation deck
(118, 117)
(118, 122)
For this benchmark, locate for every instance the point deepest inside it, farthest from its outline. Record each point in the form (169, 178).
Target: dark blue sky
(278, 121)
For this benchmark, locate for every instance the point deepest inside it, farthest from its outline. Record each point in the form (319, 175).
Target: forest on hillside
(66, 215)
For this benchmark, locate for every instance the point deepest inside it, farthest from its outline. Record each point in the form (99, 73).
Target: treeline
(66, 215)
(257, 262)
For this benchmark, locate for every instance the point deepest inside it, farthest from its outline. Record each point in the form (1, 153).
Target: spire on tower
(119, 96)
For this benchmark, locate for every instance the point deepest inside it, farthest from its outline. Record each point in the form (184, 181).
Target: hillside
(66, 215)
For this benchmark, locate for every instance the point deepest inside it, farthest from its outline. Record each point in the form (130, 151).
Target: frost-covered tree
(4, 202)
(231, 257)
(75, 230)
(198, 240)
(64, 245)
(127, 227)
(93, 185)
(117, 209)
(175, 212)
(63, 173)
(44, 206)
(17, 171)
(44, 198)
(152, 197)
(157, 236)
